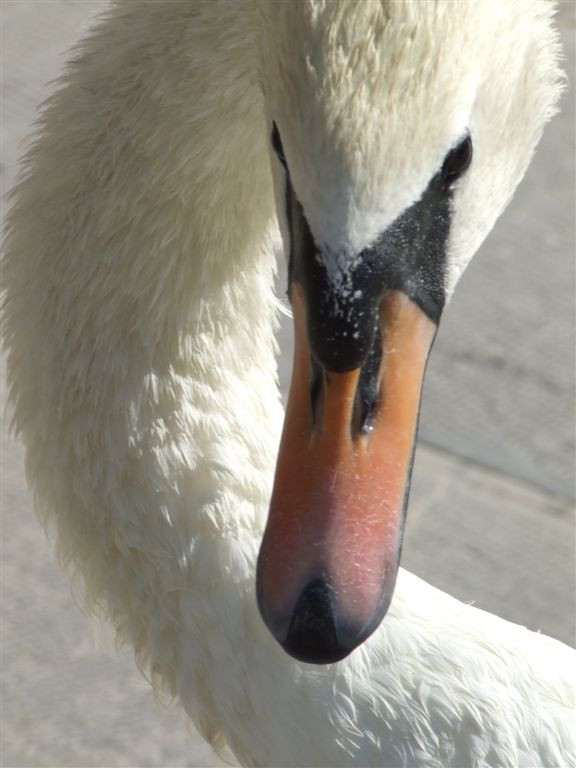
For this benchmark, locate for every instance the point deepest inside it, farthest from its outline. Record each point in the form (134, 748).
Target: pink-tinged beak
(330, 553)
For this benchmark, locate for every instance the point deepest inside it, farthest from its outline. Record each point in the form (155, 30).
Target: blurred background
(491, 516)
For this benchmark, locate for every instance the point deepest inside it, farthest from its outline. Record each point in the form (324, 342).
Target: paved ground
(491, 517)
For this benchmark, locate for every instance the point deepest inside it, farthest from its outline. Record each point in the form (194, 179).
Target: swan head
(398, 132)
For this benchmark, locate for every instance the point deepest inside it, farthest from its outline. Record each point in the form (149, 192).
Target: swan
(378, 142)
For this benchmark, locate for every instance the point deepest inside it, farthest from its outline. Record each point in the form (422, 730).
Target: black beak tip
(312, 635)
(316, 634)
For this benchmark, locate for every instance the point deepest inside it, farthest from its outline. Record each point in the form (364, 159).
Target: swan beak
(330, 553)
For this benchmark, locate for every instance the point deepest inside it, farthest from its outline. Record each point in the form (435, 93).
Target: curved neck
(148, 398)
(193, 236)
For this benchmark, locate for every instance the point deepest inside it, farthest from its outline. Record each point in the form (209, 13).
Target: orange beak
(330, 553)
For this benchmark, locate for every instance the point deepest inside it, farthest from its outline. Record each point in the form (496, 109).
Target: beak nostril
(316, 398)
(368, 393)
(367, 425)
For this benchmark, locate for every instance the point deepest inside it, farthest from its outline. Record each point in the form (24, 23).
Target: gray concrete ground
(491, 515)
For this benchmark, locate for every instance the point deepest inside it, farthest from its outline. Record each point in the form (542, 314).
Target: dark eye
(277, 144)
(457, 160)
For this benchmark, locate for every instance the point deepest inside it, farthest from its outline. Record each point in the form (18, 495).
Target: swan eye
(277, 144)
(457, 160)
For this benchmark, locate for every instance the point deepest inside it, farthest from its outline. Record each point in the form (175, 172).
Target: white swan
(139, 325)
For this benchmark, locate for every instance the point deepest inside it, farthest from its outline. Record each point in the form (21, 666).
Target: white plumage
(139, 325)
